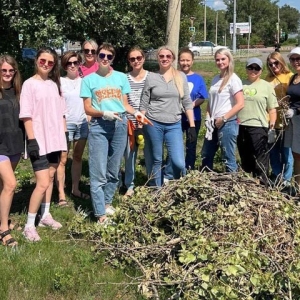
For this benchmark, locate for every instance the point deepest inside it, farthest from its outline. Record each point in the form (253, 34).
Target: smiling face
(222, 61)
(165, 58)
(295, 62)
(44, 64)
(136, 60)
(89, 53)
(7, 73)
(185, 62)
(253, 72)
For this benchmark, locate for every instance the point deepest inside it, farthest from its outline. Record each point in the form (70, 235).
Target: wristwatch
(224, 119)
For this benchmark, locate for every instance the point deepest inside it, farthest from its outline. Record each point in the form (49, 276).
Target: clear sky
(218, 4)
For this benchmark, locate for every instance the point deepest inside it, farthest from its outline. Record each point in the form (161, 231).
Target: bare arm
(272, 117)
(89, 110)
(190, 116)
(28, 128)
(239, 104)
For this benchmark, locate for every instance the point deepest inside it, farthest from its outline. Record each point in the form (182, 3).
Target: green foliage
(206, 236)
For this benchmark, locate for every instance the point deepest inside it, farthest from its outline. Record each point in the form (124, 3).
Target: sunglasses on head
(103, 55)
(251, 68)
(10, 71)
(138, 58)
(88, 51)
(70, 63)
(168, 56)
(43, 62)
(274, 64)
(293, 59)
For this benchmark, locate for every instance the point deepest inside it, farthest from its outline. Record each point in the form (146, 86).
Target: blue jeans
(78, 131)
(107, 142)
(171, 135)
(225, 138)
(281, 158)
(130, 156)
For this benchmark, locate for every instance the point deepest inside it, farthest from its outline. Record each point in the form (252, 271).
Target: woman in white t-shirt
(77, 126)
(225, 101)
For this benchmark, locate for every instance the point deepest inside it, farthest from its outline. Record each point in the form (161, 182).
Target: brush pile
(206, 236)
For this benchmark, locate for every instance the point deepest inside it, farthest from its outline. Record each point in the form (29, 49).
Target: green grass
(60, 267)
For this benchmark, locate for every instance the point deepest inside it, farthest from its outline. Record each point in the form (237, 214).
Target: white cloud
(218, 4)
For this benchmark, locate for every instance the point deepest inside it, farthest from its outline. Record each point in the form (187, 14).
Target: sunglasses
(103, 55)
(168, 56)
(88, 51)
(251, 68)
(274, 64)
(43, 62)
(70, 63)
(138, 58)
(10, 71)
(293, 59)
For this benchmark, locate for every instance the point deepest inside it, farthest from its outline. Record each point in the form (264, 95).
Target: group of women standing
(161, 106)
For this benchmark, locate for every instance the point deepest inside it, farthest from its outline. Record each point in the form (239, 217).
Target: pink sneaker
(49, 221)
(31, 234)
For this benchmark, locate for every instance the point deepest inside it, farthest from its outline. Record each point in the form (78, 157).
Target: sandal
(82, 196)
(10, 242)
(63, 203)
(11, 225)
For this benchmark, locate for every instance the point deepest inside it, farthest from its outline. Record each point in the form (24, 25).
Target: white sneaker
(110, 210)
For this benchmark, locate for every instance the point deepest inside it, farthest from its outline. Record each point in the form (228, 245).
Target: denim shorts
(78, 131)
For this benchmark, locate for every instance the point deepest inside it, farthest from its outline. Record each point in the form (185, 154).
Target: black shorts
(42, 163)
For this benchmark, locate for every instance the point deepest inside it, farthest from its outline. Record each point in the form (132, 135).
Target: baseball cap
(254, 60)
(294, 51)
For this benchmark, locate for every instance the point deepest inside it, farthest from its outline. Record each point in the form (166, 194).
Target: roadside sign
(192, 29)
(243, 28)
(20, 37)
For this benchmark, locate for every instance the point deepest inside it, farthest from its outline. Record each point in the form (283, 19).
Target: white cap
(294, 51)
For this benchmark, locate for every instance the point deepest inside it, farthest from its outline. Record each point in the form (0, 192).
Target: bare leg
(61, 175)
(8, 185)
(48, 194)
(76, 168)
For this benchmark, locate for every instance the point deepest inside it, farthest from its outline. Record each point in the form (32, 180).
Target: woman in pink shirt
(90, 65)
(42, 110)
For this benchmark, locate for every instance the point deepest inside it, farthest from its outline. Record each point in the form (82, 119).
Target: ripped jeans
(225, 138)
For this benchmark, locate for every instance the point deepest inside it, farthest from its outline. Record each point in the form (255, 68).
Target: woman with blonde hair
(11, 140)
(225, 101)
(281, 158)
(90, 64)
(164, 95)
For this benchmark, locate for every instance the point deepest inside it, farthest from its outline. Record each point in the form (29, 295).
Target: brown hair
(136, 48)
(16, 80)
(67, 55)
(186, 50)
(284, 68)
(54, 74)
(176, 74)
(108, 47)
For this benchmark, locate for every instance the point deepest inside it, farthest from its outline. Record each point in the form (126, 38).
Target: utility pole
(204, 31)
(234, 28)
(278, 27)
(173, 27)
(216, 39)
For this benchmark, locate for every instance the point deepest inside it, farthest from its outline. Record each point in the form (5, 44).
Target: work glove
(209, 124)
(110, 116)
(191, 135)
(272, 136)
(289, 113)
(33, 149)
(139, 116)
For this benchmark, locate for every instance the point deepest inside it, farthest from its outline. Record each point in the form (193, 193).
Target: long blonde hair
(278, 57)
(175, 73)
(230, 69)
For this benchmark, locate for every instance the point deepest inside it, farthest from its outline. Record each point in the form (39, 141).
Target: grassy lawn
(60, 267)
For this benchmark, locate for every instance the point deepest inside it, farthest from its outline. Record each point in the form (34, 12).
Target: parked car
(28, 53)
(204, 48)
